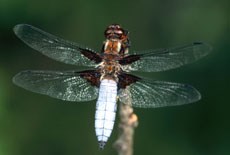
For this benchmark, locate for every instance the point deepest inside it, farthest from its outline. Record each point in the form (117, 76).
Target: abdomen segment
(105, 111)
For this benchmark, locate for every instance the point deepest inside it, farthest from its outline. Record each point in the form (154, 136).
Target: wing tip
(18, 78)
(207, 47)
(15, 79)
(19, 28)
(195, 94)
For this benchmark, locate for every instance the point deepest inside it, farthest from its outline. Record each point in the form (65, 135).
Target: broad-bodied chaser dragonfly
(109, 77)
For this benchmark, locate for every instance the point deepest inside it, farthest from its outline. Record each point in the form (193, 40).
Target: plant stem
(128, 122)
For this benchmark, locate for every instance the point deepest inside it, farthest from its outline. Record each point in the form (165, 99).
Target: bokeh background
(33, 124)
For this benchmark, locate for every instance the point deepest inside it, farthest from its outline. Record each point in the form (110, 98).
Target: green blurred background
(33, 124)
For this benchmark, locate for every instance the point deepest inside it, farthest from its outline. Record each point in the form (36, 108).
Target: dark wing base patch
(126, 80)
(92, 76)
(91, 55)
(129, 59)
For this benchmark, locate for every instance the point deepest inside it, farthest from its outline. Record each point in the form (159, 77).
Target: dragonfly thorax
(110, 67)
(112, 46)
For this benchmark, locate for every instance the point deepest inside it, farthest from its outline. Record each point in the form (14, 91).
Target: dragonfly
(108, 75)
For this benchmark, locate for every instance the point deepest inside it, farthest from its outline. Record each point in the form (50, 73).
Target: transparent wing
(165, 59)
(62, 85)
(56, 48)
(155, 94)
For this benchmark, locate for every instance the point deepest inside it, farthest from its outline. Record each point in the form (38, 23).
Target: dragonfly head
(115, 31)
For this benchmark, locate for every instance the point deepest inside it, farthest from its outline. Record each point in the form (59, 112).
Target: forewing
(165, 59)
(155, 94)
(62, 85)
(56, 48)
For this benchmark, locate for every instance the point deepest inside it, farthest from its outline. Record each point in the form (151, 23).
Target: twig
(128, 122)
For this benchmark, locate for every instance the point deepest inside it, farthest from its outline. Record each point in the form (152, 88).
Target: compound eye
(117, 26)
(108, 31)
(114, 26)
(119, 32)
